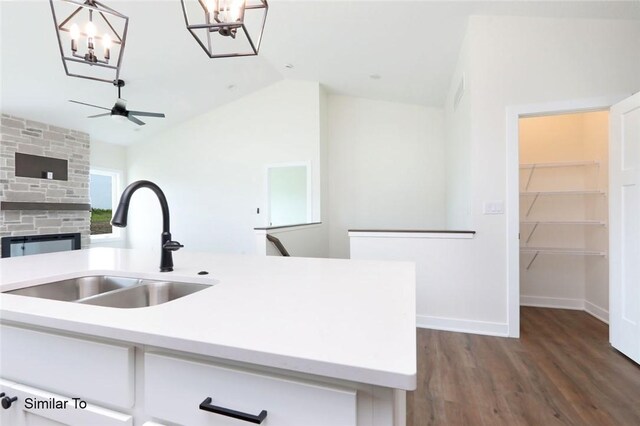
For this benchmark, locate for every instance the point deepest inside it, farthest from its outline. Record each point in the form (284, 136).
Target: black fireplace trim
(7, 241)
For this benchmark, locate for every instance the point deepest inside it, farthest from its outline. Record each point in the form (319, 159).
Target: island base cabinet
(35, 407)
(175, 390)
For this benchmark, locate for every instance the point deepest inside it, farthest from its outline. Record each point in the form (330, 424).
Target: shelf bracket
(533, 203)
(533, 260)
(531, 233)
(533, 168)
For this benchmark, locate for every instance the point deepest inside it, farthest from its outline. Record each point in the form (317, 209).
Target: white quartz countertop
(346, 319)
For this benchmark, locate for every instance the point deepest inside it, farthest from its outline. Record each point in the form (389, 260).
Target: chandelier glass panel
(91, 37)
(226, 28)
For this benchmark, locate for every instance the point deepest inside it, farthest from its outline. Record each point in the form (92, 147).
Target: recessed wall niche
(36, 166)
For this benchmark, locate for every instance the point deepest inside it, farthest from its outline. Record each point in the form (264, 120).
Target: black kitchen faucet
(166, 245)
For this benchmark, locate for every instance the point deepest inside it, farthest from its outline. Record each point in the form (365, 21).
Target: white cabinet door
(30, 409)
(200, 394)
(624, 218)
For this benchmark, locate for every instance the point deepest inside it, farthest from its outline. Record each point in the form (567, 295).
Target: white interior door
(624, 231)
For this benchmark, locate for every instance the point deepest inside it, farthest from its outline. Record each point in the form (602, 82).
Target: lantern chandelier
(226, 28)
(91, 37)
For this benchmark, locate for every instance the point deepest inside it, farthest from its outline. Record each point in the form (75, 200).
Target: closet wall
(563, 211)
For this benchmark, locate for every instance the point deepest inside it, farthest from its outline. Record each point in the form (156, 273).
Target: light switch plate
(493, 207)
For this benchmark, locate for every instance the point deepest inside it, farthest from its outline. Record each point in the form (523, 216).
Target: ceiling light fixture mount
(226, 28)
(90, 34)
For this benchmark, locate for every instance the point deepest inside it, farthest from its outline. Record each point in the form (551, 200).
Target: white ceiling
(412, 45)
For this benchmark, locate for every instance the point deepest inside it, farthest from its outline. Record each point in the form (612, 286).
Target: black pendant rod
(119, 84)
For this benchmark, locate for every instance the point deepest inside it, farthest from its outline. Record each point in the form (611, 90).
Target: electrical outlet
(493, 207)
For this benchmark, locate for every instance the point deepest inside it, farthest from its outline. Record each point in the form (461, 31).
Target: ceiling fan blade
(121, 103)
(147, 114)
(106, 114)
(94, 106)
(135, 120)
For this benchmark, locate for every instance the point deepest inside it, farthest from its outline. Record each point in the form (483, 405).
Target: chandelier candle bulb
(75, 35)
(106, 41)
(211, 8)
(91, 34)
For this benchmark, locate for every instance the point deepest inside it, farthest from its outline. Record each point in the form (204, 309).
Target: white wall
(442, 268)
(110, 157)
(458, 146)
(386, 167)
(212, 168)
(376, 164)
(516, 61)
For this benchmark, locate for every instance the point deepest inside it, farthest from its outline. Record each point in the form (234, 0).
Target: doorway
(513, 116)
(623, 206)
(563, 184)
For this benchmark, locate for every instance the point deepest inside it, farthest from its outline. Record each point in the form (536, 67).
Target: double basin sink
(115, 292)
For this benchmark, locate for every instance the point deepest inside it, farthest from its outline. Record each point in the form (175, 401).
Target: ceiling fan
(119, 109)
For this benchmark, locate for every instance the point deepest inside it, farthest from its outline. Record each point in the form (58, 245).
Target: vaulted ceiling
(411, 45)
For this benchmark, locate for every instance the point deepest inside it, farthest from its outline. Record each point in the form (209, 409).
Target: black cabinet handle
(206, 406)
(6, 401)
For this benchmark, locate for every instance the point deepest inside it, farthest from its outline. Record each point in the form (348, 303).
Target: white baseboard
(597, 311)
(463, 326)
(560, 303)
(552, 302)
(502, 329)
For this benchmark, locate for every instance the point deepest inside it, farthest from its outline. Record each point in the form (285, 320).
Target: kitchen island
(307, 341)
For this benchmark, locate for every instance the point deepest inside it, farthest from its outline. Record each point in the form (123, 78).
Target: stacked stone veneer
(31, 137)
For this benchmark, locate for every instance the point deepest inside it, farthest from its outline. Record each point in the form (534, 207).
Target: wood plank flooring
(562, 371)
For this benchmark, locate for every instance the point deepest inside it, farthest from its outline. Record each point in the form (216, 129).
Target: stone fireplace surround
(35, 138)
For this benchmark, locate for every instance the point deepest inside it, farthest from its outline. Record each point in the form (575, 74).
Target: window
(104, 187)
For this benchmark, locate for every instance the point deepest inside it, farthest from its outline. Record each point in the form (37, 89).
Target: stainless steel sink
(148, 294)
(116, 292)
(77, 288)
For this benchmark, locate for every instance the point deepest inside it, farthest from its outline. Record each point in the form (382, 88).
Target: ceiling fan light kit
(226, 28)
(91, 38)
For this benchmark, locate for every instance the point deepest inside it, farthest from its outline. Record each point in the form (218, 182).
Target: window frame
(116, 181)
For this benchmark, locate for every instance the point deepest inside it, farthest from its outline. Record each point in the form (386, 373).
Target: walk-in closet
(563, 212)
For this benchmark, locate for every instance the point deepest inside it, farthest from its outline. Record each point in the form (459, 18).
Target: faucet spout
(120, 220)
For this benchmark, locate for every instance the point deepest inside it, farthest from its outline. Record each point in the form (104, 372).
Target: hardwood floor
(562, 371)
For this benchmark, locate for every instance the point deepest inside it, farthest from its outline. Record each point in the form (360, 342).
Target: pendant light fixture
(91, 37)
(226, 28)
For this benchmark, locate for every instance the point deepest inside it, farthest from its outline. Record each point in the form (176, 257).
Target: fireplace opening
(36, 244)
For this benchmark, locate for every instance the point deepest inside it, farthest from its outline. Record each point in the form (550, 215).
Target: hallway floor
(562, 371)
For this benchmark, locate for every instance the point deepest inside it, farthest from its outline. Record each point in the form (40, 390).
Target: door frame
(514, 113)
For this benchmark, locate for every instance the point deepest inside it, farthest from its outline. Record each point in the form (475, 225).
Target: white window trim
(116, 182)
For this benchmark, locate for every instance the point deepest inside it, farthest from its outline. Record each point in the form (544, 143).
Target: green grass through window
(101, 221)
